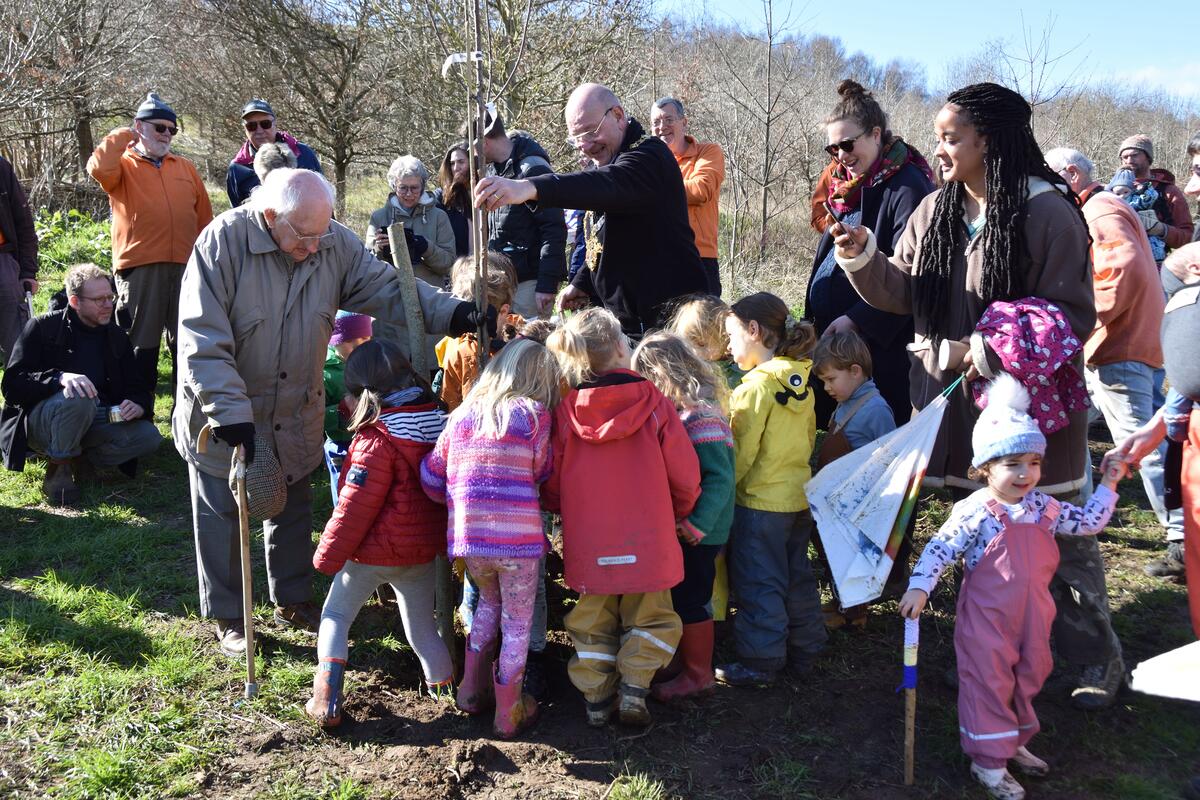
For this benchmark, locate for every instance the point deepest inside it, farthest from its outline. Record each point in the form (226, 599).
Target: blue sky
(1109, 40)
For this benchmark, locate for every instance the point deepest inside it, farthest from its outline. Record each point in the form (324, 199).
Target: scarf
(845, 191)
(245, 156)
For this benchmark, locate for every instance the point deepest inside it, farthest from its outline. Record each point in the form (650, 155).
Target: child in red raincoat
(625, 473)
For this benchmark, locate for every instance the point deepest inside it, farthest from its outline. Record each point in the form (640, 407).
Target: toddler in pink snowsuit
(1005, 535)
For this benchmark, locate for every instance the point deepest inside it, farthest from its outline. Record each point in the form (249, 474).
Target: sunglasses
(171, 129)
(845, 145)
(253, 125)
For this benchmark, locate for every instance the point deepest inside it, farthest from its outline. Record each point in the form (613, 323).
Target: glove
(465, 319)
(238, 433)
(1151, 222)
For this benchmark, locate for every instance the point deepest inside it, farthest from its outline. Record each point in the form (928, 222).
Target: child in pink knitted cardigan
(486, 467)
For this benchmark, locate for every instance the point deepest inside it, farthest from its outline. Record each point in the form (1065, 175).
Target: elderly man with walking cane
(259, 297)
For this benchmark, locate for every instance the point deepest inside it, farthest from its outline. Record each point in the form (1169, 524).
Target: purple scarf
(245, 156)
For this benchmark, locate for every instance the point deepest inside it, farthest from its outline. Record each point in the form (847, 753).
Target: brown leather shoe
(304, 616)
(231, 636)
(59, 484)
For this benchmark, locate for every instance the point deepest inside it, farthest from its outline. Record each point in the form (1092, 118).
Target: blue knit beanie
(153, 107)
(1123, 177)
(1005, 428)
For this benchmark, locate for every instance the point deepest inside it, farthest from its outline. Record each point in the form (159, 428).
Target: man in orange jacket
(703, 168)
(159, 206)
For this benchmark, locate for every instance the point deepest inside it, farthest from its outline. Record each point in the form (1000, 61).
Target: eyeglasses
(586, 138)
(408, 190)
(664, 120)
(324, 237)
(102, 300)
(845, 145)
(254, 124)
(158, 126)
(1196, 170)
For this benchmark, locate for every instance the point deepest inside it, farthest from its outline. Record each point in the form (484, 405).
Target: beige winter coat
(253, 331)
(1058, 270)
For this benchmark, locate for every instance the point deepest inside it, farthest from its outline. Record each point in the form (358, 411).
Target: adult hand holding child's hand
(913, 603)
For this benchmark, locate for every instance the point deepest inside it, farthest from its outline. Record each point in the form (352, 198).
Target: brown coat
(1058, 270)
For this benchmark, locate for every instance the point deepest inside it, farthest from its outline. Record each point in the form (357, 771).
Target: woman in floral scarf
(877, 180)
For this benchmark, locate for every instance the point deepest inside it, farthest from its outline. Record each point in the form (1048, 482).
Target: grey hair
(271, 156)
(404, 167)
(1062, 157)
(663, 102)
(80, 274)
(282, 191)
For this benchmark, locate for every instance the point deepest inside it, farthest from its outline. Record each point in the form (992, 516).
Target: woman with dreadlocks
(1002, 227)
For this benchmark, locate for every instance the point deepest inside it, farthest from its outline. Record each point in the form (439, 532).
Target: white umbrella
(862, 502)
(1174, 674)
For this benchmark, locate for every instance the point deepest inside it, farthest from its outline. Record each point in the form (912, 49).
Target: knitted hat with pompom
(1005, 428)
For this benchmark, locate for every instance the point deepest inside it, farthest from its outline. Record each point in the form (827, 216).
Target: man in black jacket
(640, 249)
(535, 238)
(73, 389)
(18, 259)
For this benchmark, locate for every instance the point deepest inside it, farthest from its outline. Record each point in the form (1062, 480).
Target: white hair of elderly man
(1060, 158)
(284, 190)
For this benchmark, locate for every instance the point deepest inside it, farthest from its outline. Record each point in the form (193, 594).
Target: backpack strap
(862, 401)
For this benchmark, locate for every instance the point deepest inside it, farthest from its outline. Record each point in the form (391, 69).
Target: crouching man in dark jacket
(73, 392)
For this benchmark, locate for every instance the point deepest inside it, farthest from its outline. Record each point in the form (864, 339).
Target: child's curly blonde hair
(680, 372)
(501, 279)
(700, 319)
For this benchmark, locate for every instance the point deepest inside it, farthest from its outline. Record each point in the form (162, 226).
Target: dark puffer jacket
(535, 240)
(383, 516)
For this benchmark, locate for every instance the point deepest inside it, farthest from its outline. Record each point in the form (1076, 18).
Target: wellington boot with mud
(515, 711)
(476, 693)
(1000, 784)
(695, 655)
(325, 706)
(59, 484)
(632, 708)
(600, 712)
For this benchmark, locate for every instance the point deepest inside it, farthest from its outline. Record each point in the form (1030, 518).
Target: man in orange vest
(159, 206)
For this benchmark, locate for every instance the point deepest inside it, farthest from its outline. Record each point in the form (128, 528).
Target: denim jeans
(1124, 393)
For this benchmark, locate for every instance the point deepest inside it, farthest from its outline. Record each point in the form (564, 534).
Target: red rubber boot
(696, 679)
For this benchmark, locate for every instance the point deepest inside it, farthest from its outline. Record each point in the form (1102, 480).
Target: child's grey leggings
(415, 591)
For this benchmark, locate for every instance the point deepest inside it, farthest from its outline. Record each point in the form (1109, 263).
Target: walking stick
(239, 466)
(912, 631)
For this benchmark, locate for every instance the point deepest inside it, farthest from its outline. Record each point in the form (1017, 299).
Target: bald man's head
(297, 205)
(1184, 263)
(596, 121)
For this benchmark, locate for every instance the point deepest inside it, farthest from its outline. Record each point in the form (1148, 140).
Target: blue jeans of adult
(1124, 393)
(779, 608)
(335, 454)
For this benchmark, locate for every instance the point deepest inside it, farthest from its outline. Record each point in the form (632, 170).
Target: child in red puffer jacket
(384, 528)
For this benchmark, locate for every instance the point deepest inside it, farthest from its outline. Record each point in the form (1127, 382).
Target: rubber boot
(515, 711)
(59, 484)
(696, 678)
(476, 693)
(326, 704)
